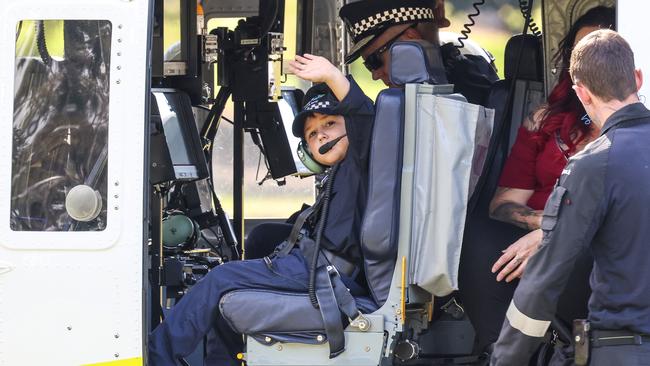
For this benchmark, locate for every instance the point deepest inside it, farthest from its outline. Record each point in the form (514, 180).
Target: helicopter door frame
(629, 19)
(72, 293)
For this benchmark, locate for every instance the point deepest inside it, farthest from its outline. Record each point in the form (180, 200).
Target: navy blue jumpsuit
(601, 203)
(197, 313)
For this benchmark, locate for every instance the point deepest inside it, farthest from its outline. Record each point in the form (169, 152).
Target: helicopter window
(172, 30)
(60, 125)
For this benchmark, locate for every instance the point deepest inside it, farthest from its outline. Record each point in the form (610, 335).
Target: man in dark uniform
(374, 25)
(601, 203)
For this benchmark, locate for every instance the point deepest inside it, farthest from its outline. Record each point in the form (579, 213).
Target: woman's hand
(516, 256)
(318, 69)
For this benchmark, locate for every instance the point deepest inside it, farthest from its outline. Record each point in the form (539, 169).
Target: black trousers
(631, 355)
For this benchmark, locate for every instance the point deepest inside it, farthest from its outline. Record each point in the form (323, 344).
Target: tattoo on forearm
(517, 214)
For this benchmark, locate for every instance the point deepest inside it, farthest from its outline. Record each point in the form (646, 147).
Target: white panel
(631, 19)
(74, 298)
(361, 349)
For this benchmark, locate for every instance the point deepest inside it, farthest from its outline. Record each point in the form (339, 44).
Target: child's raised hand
(316, 69)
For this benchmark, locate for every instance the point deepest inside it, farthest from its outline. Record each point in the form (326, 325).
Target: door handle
(5, 267)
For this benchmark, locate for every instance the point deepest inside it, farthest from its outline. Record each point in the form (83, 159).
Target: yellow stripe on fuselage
(137, 361)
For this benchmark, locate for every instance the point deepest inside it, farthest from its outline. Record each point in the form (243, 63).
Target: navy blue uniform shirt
(601, 203)
(349, 192)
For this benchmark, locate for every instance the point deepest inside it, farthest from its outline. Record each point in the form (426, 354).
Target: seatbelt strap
(342, 265)
(333, 298)
(344, 299)
(294, 236)
(330, 312)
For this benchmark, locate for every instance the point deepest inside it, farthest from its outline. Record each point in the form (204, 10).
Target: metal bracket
(210, 48)
(453, 308)
(360, 322)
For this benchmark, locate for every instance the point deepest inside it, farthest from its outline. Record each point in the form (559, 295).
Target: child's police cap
(367, 19)
(319, 99)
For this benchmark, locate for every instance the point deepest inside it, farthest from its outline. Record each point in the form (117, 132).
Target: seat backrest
(381, 219)
(412, 62)
(528, 94)
(528, 78)
(416, 61)
(531, 66)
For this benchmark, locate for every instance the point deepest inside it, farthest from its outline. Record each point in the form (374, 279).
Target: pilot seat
(425, 149)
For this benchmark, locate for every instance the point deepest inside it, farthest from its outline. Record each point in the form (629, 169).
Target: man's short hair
(604, 63)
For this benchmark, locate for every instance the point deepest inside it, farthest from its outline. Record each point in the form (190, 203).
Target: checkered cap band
(317, 104)
(399, 15)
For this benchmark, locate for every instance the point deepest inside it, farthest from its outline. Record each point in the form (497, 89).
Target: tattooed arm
(509, 205)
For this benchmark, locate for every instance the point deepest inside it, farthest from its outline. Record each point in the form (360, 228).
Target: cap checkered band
(400, 15)
(317, 103)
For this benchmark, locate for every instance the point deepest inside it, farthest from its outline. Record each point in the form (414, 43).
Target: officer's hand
(316, 69)
(516, 256)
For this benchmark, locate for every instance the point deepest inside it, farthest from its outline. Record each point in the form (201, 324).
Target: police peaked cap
(366, 19)
(319, 99)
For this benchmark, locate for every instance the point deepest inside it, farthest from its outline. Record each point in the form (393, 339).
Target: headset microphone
(328, 146)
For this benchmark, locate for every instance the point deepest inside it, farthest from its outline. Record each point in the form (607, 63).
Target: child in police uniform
(336, 112)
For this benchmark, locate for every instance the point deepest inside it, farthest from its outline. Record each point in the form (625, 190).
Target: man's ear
(413, 33)
(583, 94)
(638, 76)
(439, 15)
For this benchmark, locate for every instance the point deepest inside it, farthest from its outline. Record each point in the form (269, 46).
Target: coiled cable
(319, 235)
(526, 7)
(468, 26)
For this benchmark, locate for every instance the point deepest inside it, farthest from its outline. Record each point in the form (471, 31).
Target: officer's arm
(572, 215)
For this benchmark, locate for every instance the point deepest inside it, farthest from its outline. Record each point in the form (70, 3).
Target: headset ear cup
(307, 160)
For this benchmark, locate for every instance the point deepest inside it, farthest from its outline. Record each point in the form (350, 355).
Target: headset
(307, 160)
(179, 232)
(305, 156)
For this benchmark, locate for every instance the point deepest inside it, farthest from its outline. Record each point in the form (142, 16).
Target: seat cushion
(280, 316)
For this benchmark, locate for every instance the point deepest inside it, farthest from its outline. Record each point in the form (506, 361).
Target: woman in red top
(545, 141)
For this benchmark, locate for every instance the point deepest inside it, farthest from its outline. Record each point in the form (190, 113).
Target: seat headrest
(531, 64)
(416, 61)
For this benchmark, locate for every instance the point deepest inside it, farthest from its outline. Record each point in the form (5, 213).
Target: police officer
(601, 203)
(374, 25)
